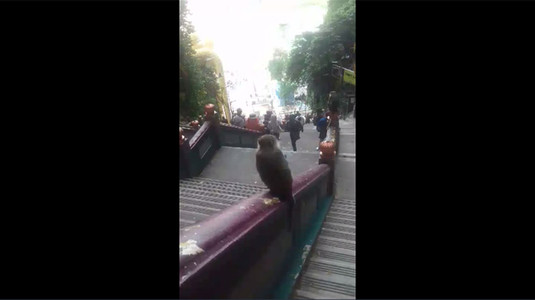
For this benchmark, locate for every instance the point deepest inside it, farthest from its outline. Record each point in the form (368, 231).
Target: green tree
(310, 60)
(278, 68)
(198, 83)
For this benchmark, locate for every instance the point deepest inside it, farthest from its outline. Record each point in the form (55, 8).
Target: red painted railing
(241, 251)
(227, 255)
(202, 145)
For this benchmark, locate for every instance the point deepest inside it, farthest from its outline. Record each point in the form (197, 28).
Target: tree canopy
(198, 83)
(310, 60)
(277, 67)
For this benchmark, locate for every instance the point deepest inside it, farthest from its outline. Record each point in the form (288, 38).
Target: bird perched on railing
(274, 171)
(273, 167)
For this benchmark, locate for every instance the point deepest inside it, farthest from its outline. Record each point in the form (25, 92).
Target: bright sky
(246, 32)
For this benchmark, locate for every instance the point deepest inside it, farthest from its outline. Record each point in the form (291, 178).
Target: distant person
(274, 127)
(253, 123)
(285, 119)
(318, 116)
(294, 127)
(334, 112)
(238, 119)
(300, 119)
(267, 119)
(322, 129)
(333, 118)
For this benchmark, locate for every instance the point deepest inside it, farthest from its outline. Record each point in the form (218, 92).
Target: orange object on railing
(194, 124)
(182, 138)
(327, 150)
(209, 110)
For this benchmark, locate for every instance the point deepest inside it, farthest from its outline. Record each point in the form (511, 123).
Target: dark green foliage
(310, 60)
(198, 85)
(278, 67)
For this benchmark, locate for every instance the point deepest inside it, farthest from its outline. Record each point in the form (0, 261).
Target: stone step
(322, 282)
(349, 208)
(225, 186)
(339, 227)
(192, 216)
(342, 211)
(220, 200)
(201, 197)
(208, 183)
(203, 203)
(185, 223)
(208, 193)
(320, 248)
(335, 239)
(337, 234)
(342, 205)
(349, 155)
(352, 217)
(198, 209)
(217, 189)
(330, 266)
(344, 244)
(331, 278)
(217, 181)
(340, 221)
(312, 293)
(345, 201)
(331, 262)
(342, 255)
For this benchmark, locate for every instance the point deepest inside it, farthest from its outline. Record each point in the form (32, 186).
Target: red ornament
(182, 138)
(209, 109)
(327, 149)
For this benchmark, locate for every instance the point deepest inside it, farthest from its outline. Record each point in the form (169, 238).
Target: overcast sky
(245, 32)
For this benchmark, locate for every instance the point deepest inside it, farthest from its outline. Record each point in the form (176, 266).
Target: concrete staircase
(330, 270)
(201, 197)
(231, 176)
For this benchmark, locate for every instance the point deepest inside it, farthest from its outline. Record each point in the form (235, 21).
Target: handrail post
(327, 154)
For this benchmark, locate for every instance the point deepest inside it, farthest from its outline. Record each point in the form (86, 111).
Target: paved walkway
(307, 143)
(330, 270)
(239, 164)
(345, 161)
